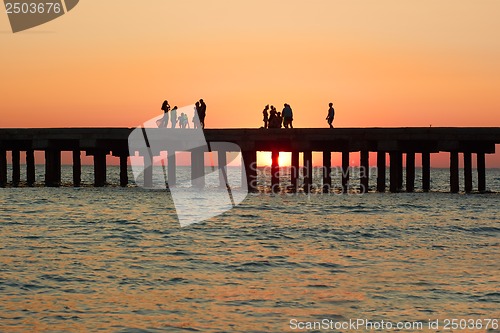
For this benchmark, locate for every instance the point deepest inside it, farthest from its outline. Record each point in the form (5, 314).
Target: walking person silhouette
(331, 115)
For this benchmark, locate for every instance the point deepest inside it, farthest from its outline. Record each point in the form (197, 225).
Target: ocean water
(116, 260)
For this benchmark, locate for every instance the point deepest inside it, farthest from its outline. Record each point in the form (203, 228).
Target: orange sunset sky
(383, 63)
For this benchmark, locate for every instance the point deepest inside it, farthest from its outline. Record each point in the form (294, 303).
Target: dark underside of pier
(99, 142)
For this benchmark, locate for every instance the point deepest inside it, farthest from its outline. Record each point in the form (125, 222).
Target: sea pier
(467, 143)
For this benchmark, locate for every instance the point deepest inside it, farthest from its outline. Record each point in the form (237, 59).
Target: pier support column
(77, 168)
(394, 171)
(364, 171)
(250, 175)
(275, 171)
(123, 170)
(52, 168)
(3, 168)
(294, 172)
(148, 169)
(172, 168)
(308, 171)
(381, 171)
(99, 169)
(481, 172)
(49, 168)
(426, 171)
(16, 167)
(410, 172)
(454, 179)
(198, 167)
(468, 172)
(400, 170)
(30, 167)
(345, 171)
(222, 165)
(327, 170)
(58, 167)
(57, 159)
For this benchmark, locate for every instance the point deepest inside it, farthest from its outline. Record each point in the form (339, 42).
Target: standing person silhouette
(202, 113)
(266, 116)
(163, 122)
(272, 118)
(287, 116)
(183, 120)
(173, 116)
(331, 115)
(196, 115)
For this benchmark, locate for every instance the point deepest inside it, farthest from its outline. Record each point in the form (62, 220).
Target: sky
(382, 63)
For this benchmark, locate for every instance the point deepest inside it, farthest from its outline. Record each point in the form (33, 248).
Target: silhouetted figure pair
(183, 120)
(287, 114)
(331, 115)
(201, 109)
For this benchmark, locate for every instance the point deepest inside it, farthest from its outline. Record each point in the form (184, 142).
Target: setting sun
(264, 158)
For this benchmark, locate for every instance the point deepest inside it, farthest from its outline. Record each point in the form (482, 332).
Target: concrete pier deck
(100, 142)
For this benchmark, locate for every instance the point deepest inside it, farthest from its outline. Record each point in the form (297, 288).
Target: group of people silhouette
(271, 117)
(200, 112)
(274, 119)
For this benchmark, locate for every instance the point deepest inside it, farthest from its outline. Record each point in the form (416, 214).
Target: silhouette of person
(272, 118)
(331, 115)
(203, 113)
(287, 116)
(165, 106)
(163, 122)
(173, 116)
(181, 121)
(279, 120)
(266, 116)
(196, 115)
